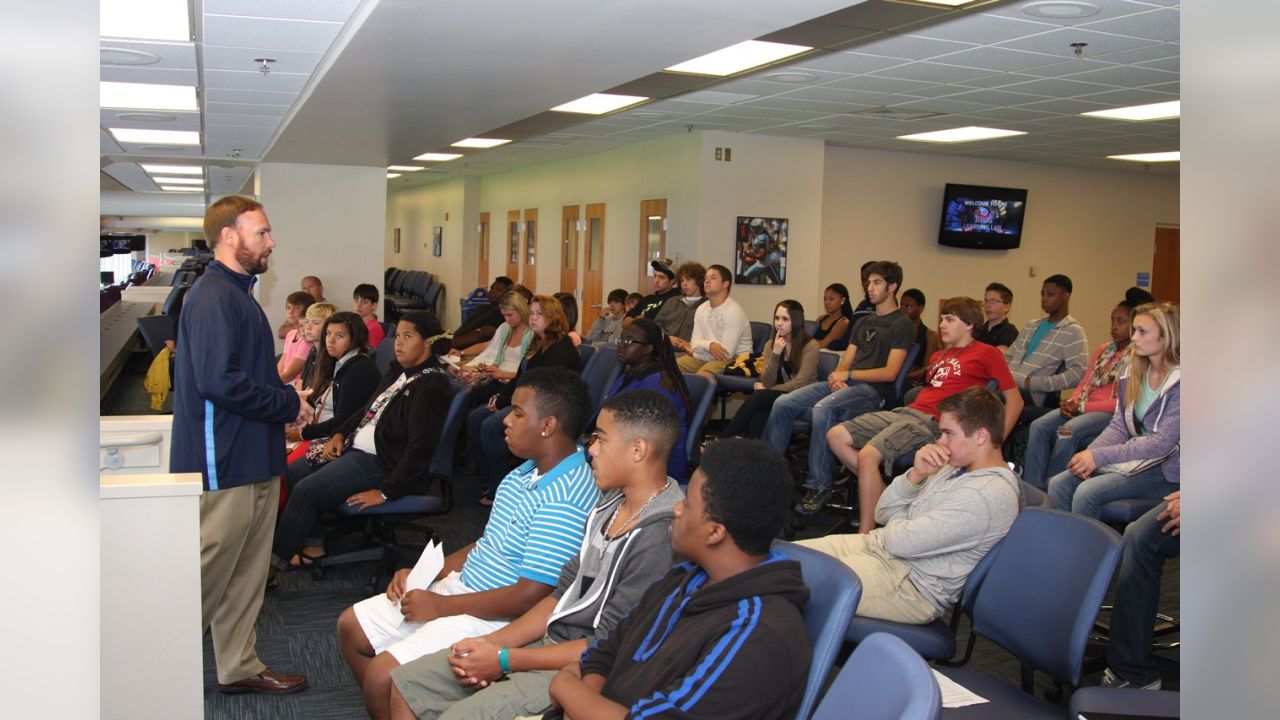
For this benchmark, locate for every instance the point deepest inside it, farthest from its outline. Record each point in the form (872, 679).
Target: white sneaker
(1112, 680)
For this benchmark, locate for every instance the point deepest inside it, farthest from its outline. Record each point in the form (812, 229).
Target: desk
(119, 330)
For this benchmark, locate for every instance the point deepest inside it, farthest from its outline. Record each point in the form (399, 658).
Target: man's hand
(1173, 512)
(928, 459)
(420, 606)
(475, 662)
(361, 501)
(306, 413)
(679, 343)
(718, 352)
(395, 588)
(334, 448)
(1082, 464)
(838, 380)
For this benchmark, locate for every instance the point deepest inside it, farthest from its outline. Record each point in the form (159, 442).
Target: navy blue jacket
(229, 406)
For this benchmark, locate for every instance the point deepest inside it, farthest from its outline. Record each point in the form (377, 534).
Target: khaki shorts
(691, 364)
(893, 432)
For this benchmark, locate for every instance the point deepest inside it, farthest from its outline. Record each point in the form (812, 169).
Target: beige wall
(416, 212)
(1094, 226)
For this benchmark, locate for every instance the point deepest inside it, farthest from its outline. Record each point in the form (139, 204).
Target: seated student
(940, 517)
(997, 331)
(312, 286)
(633, 299)
(365, 304)
(310, 283)
(535, 527)
(604, 330)
(1051, 352)
(791, 361)
(498, 361)
(663, 289)
(483, 323)
(722, 635)
(1054, 437)
(1137, 456)
(647, 362)
(296, 347)
(550, 348)
(676, 315)
(866, 305)
(313, 332)
(721, 330)
(832, 332)
(382, 450)
(913, 307)
(874, 440)
(859, 384)
(1148, 542)
(569, 305)
(627, 548)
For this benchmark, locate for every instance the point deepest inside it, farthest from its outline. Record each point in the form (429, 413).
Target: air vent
(889, 113)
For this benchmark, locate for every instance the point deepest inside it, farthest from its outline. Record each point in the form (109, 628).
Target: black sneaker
(814, 500)
(1112, 680)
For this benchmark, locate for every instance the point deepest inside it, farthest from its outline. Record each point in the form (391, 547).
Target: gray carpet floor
(296, 628)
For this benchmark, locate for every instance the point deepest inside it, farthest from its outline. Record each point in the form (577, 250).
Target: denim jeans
(1048, 453)
(314, 491)
(827, 409)
(1129, 650)
(489, 444)
(1087, 498)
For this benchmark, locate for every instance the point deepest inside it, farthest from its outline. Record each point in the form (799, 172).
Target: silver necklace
(604, 548)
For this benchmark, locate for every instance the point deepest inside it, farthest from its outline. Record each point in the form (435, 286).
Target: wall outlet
(719, 153)
(728, 154)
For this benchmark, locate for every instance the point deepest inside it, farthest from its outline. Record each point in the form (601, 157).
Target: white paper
(954, 694)
(424, 572)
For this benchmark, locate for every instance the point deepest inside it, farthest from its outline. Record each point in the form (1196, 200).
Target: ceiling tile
(160, 76)
(247, 150)
(1127, 97)
(756, 87)
(1125, 76)
(255, 81)
(250, 97)
(333, 10)
(716, 97)
(1160, 24)
(266, 121)
(932, 72)
(244, 32)
(1058, 42)
(870, 83)
(1012, 114)
(230, 133)
(995, 97)
(854, 63)
(1066, 107)
(1171, 64)
(909, 47)
(981, 29)
(1069, 67)
(994, 81)
(944, 105)
(1170, 87)
(1158, 51)
(1057, 88)
(276, 111)
(234, 58)
(824, 93)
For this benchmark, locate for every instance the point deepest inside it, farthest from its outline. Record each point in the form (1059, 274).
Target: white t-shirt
(727, 324)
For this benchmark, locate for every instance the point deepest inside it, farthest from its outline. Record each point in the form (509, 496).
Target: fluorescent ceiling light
(145, 96)
(1174, 156)
(174, 169)
(181, 188)
(155, 137)
(964, 134)
(438, 157)
(144, 19)
(177, 180)
(405, 168)
(599, 103)
(736, 58)
(480, 142)
(392, 176)
(1154, 111)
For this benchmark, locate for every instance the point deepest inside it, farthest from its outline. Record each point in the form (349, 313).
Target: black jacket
(409, 429)
(562, 353)
(353, 385)
(735, 649)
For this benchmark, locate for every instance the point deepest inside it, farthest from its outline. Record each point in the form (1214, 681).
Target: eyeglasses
(623, 342)
(990, 301)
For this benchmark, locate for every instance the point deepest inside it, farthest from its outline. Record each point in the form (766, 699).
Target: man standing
(721, 330)
(997, 331)
(663, 290)
(229, 410)
(1051, 353)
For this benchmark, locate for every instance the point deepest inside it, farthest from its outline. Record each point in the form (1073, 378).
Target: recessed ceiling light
(1154, 111)
(599, 103)
(438, 157)
(964, 134)
(406, 168)
(791, 76)
(177, 180)
(480, 142)
(1060, 9)
(391, 176)
(146, 117)
(174, 169)
(736, 58)
(156, 137)
(181, 188)
(145, 96)
(1174, 156)
(126, 56)
(144, 19)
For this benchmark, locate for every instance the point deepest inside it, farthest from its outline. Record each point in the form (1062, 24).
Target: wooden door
(530, 258)
(653, 240)
(569, 260)
(513, 245)
(593, 261)
(1166, 266)
(482, 272)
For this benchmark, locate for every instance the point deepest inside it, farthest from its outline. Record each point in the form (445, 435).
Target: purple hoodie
(1120, 441)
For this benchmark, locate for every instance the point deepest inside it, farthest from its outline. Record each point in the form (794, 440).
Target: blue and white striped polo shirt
(535, 526)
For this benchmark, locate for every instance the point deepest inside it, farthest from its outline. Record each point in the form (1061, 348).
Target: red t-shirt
(951, 370)
(375, 331)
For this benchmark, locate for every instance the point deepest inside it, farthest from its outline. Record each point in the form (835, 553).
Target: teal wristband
(504, 661)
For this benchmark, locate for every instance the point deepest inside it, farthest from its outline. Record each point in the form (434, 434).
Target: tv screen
(122, 244)
(987, 218)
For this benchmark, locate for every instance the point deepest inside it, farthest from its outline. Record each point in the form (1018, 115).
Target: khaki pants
(691, 364)
(887, 591)
(236, 526)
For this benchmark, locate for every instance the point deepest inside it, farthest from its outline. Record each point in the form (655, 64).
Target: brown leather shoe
(269, 683)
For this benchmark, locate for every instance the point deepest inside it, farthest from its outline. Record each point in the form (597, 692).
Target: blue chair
(1124, 702)
(155, 329)
(1033, 496)
(701, 392)
(1038, 601)
(900, 382)
(599, 372)
(385, 353)
(1124, 511)
(585, 352)
(834, 592)
(760, 335)
(885, 680)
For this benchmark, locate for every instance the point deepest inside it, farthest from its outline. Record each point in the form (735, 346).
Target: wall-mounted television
(986, 218)
(121, 243)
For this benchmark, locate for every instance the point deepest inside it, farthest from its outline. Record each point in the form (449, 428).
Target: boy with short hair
(721, 329)
(676, 315)
(296, 347)
(632, 300)
(365, 304)
(605, 330)
(722, 635)
(997, 331)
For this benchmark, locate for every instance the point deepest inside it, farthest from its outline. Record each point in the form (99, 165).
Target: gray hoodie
(635, 561)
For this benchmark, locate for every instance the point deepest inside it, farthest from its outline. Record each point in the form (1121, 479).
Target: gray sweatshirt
(1057, 363)
(945, 527)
